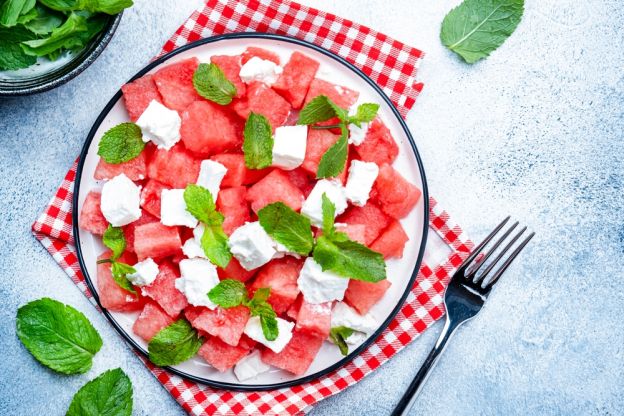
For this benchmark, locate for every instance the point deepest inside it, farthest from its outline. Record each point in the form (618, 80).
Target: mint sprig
(258, 142)
(319, 109)
(229, 293)
(334, 160)
(339, 335)
(329, 213)
(287, 227)
(365, 113)
(110, 393)
(121, 143)
(211, 83)
(174, 344)
(115, 240)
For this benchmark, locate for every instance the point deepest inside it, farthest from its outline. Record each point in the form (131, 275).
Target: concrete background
(534, 131)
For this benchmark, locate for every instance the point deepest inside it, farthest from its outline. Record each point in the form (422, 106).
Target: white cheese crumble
(344, 315)
(211, 174)
(362, 176)
(250, 366)
(312, 206)
(289, 146)
(262, 70)
(320, 286)
(173, 209)
(192, 249)
(160, 125)
(121, 200)
(251, 245)
(253, 330)
(198, 276)
(146, 272)
(357, 134)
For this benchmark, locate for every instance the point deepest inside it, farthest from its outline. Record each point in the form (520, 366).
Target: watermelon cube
(262, 99)
(293, 311)
(363, 295)
(175, 84)
(378, 145)
(298, 354)
(138, 94)
(151, 320)
(128, 230)
(156, 240)
(227, 324)
(294, 82)
(272, 188)
(235, 271)
(319, 141)
(230, 65)
(112, 296)
(342, 96)
(150, 196)
(281, 276)
(135, 169)
(356, 232)
(393, 193)
(392, 241)
(221, 355)
(232, 203)
(207, 128)
(301, 180)
(261, 53)
(371, 216)
(237, 173)
(164, 292)
(91, 218)
(314, 319)
(175, 167)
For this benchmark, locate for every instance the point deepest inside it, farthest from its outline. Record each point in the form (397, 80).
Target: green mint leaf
(229, 293)
(329, 213)
(338, 335)
(269, 327)
(174, 344)
(61, 5)
(121, 143)
(12, 56)
(288, 227)
(475, 28)
(114, 239)
(63, 37)
(11, 10)
(214, 242)
(58, 336)
(349, 259)
(110, 7)
(261, 295)
(108, 394)
(365, 114)
(334, 159)
(44, 21)
(258, 142)
(26, 17)
(321, 108)
(120, 272)
(200, 204)
(210, 82)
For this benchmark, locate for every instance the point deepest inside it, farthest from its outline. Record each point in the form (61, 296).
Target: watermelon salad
(248, 208)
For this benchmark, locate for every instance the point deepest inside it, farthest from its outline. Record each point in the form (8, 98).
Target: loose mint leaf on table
(174, 344)
(365, 113)
(11, 10)
(229, 293)
(58, 336)
(475, 28)
(108, 394)
(121, 143)
(210, 82)
(288, 227)
(349, 258)
(319, 109)
(115, 240)
(63, 37)
(258, 142)
(12, 56)
(120, 272)
(334, 160)
(338, 335)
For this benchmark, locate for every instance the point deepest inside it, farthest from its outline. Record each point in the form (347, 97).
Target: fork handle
(409, 397)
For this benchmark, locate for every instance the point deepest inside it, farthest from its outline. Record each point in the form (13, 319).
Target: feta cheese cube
(250, 366)
(362, 176)
(160, 125)
(173, 209)
(146, 272)
(318, 286)
(312, 206)
(192, 249)
(262, 70)
(198, 276)
(357, 134)
(344, 315)
(289, 146)
(121, 200)
(253, 330)
(251, 245)
(211, 174)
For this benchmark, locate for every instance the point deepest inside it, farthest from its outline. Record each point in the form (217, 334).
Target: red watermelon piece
(232, 203)
(361, 296)
(262, 99)
(301, 180)
(234, 270)
(314, 319)
(227, 324)
(319, 141)
(175, 167)
(138, 94)
(293, 311)
(151, 320)
(175, 84)
(378, 145)
(371, 216)
(150, 196)
(156, 240)
(237, 173)
(294, 82)
(281, 276)
(112, 296)
(344, 97)
(207, 128)
(393, 193)
(230, 65)
(392, 241)
(356, 232)
(298, 354)
(221, 355)
(128, 230)
(134, 169)
(261, 53)
(272, 188)
(91, 218)
(164, 292)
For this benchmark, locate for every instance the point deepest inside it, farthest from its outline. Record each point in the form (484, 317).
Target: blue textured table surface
(535, 131)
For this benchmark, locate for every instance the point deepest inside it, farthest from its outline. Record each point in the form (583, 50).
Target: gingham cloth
(393, 66)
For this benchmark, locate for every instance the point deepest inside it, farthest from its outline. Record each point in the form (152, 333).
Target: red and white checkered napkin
(389, 63)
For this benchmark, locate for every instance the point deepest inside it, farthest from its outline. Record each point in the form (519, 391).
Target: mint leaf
(12, 56)
(228, 293)
(174, 344)
(317, 110)
(334, 159)
(261, 295)
(210, 82)
(338, 335)
(258, 142)
(365, 113)
(114, 239)
(11, 10)
(108, 394)
(61, 5)
(120, 272)
(329, 213)
(57, 335)
(44, 21)
(214, 242)
(349, 259)
(475, 28)
(270, 329)
(200, 204)
(288, 227)
(63, 37)
(258, 306)
(105, 6)
(121, 143)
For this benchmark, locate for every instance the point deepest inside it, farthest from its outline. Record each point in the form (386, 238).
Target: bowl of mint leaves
(45, 43)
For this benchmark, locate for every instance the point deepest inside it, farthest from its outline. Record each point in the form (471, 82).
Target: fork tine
(491, 251)
(504, 251)
(478, 249)
(507, 262)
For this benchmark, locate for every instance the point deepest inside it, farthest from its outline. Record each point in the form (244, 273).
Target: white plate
(400, 272)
